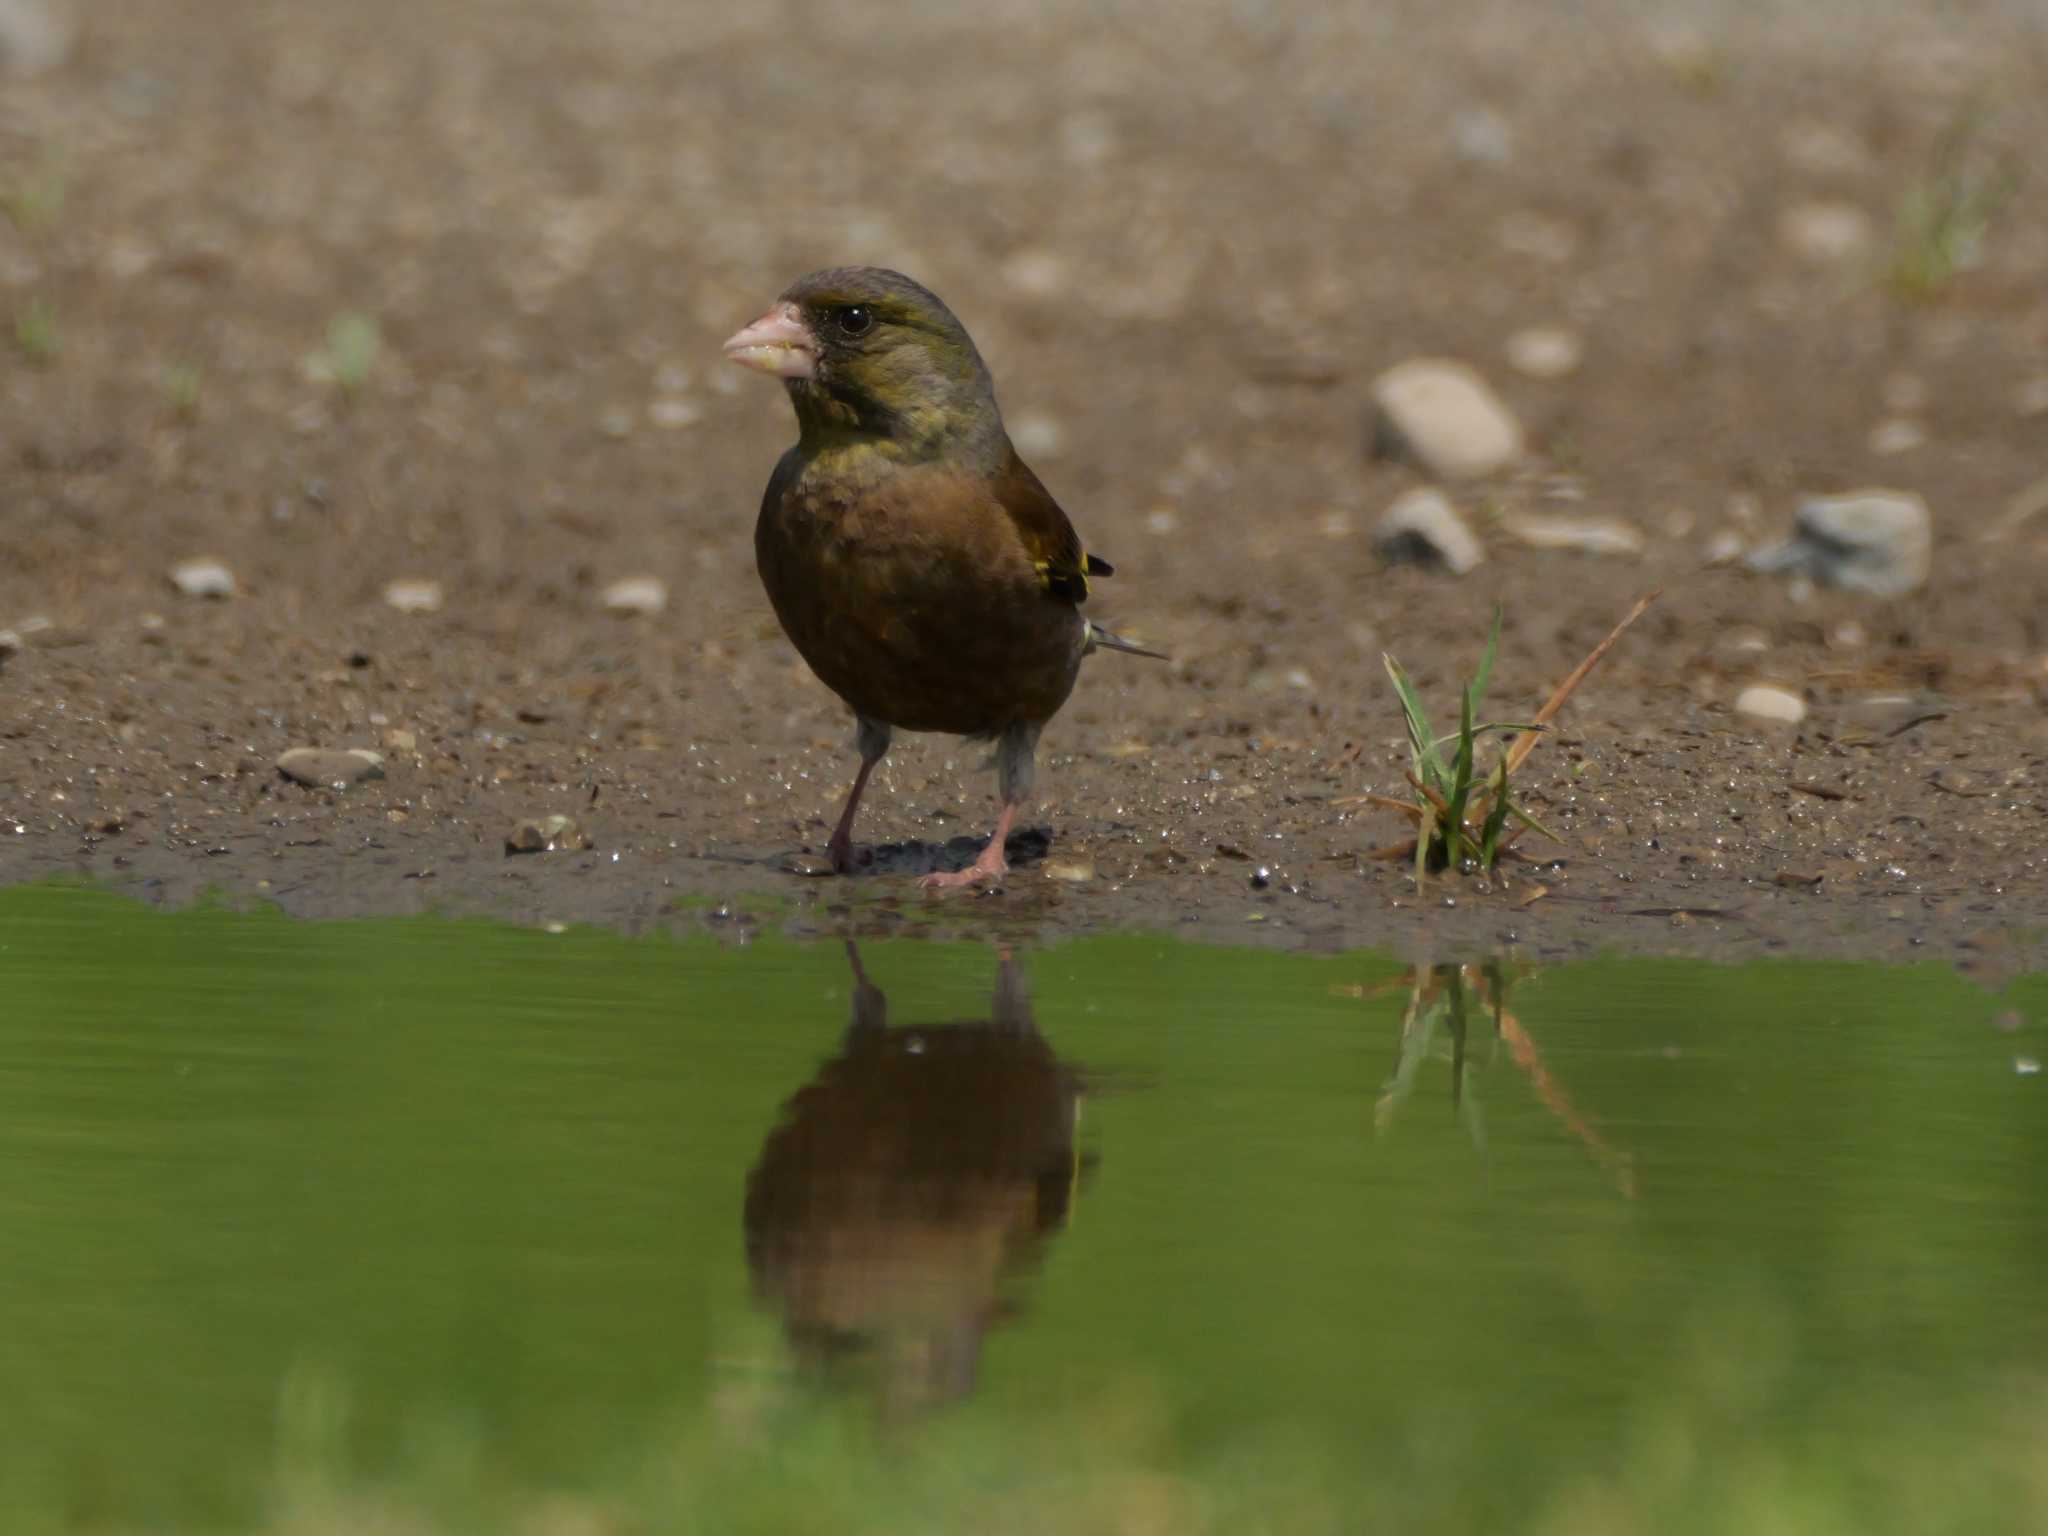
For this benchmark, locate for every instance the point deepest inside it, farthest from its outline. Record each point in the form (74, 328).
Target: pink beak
(779, 343)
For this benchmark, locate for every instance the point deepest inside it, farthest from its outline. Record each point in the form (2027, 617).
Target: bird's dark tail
(1100, 639)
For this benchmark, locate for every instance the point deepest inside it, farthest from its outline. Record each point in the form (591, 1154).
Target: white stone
(1761, 701)
(411, 594)
(1423, 526)
(1825, 234)
(671, 412)
(203, 578)
(1875, 541)
(1724, 548)
(636, 594)
(323, 768)
(1587, 535)
(1895, 436)
(1482, 136)
(1544, 351)
(1446, 417)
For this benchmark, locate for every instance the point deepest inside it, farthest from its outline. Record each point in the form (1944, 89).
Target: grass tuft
(349, 354)
(1462, 820)
(1945, 215)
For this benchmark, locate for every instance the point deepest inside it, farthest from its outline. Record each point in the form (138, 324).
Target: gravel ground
(348, 297)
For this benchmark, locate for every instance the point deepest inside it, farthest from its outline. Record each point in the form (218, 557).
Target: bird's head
(867, 353)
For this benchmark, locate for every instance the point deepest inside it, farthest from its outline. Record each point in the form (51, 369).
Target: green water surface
(438, 1226)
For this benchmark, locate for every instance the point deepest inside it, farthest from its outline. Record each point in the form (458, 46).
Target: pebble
(1825, 234)
(1423, 527)
(1587, 535)
(1875, 541)
(1724, 548)
(10, 642)
(1037, 274)
(1482, 136)
(672, 412)
(35, 37)
(1038, 436)
(401, 740)
(203, 578)
(1895, 436)
(1442, 414)
(635, 594)
(327, 768)
(1073, 872)
(411, 594)
(547, 834)
(812, 866)
(1544, 351)
(1761, 701)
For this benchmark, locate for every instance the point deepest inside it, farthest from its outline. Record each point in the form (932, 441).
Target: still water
(439, 1226)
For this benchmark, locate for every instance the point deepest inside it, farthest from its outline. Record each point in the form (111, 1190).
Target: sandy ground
(1187, 238)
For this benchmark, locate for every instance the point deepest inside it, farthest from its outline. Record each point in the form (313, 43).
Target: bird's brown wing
(1055, 549)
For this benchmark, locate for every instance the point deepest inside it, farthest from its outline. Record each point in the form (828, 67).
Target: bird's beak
(779, 343)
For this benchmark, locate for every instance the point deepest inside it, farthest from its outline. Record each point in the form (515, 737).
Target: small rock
(1724, 548)
(1874, 541)
(1761, 701)
(414, 595)
(1898, 435)
(1544, 351)
(1825, 234)
(1587, 535)
(1482, 136)
(35, 37)
(547, 834)
(1073, 872)
(324, 768)
(635, 594)
(1796, 878)
(1443, 414)
(399, 740)
(1424, 528)
(1037, 274)
(811, 866)
(10, 642)
(673, 412)
(1038, 436)
(1261, 878)
(203, 578)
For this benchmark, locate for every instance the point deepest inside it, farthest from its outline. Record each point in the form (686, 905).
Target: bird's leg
(1016, 763)
(871, 737)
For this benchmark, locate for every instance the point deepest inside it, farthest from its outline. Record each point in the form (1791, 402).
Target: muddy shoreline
(548, 231)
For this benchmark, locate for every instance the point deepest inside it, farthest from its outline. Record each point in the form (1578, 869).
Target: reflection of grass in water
(1720, 1449)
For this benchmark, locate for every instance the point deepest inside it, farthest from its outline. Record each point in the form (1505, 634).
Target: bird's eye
(856, 319)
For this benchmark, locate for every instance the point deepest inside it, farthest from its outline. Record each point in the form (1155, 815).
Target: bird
(921, 569)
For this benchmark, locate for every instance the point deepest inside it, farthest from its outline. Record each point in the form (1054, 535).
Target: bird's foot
(844, 856)
(983, 871)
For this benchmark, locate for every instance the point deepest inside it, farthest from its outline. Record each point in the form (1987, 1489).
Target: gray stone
(35, 37)
(203, 578)
(327, 768)
(1445, 417)
(1424, 528)
(547, 834)
(1875, 541)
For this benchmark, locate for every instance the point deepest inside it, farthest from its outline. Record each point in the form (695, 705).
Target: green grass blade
(1429, 766)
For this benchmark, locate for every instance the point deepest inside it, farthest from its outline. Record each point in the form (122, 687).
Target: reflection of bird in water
(915, 1175)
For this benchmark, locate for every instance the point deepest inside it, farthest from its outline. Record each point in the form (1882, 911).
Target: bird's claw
(975, 874)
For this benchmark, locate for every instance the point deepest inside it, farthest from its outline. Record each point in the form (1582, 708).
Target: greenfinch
(915, 561)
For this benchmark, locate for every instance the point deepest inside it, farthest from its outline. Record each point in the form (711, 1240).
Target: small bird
(914, 559)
